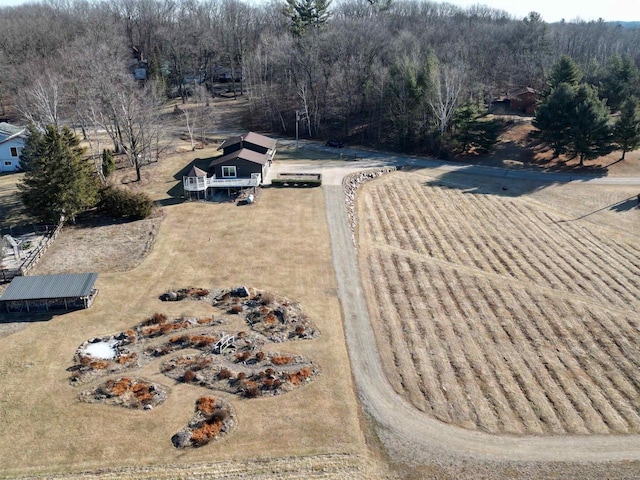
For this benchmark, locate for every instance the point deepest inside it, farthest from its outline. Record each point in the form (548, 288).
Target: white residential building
(11, 144)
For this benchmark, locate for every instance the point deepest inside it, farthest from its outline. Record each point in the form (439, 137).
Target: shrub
(266, 298)
(121, 386)
(156, 319)
(260, 356)
(151, 331)
(300, 376)
(120, 203)
(270, 319)
(189, 376)
(206, 405)
(241, 376)
(242, 356)
(197, 292)
(251, 389)
(219, 416)
(224, 373)
(203, 434)
(127, 358)
(108, 163)
(142, 392)
(300, 330)
(204, 320)
(202, 340)
(281, 360)
(131, 335)
(237, 308)
(296, 182)
(99, 365)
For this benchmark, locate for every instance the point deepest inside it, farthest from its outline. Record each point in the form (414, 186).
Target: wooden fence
(30, 262)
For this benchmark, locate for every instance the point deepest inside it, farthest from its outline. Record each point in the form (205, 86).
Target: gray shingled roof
(196, 172)
(250, 137)
(9, 129)
(69, 285)
(243, 154)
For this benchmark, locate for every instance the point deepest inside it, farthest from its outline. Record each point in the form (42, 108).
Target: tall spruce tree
(626, 131)
(566, 71)
(305, 14)
(58, 181)
(554, 117)
(620, 81)
(589, 133)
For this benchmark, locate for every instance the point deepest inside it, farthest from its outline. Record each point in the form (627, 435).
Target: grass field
(281, 244)
(497, 313)
(12, 212)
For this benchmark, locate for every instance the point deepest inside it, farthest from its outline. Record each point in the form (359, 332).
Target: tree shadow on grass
(509, 182)
(621, 206)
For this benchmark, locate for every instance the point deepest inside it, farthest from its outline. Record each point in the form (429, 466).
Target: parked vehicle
(334, 144)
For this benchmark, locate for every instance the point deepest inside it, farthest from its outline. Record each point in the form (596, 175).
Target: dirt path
(411, 436)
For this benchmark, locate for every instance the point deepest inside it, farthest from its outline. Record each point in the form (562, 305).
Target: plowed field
(498, 313)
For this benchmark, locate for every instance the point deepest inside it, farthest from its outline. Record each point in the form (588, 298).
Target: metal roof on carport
(68, 285)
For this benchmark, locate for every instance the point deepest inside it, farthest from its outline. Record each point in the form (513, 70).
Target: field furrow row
(555, 352)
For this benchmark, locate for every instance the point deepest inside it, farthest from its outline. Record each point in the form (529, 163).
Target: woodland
(401, 74)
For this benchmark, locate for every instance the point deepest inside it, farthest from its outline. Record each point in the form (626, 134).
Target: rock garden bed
(212, 419)
(126, 392)
(230, 361)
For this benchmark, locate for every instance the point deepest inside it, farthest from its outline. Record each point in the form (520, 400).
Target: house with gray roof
(244, 163)
(12, 140)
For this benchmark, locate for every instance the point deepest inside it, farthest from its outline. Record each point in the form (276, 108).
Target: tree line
(411, 75)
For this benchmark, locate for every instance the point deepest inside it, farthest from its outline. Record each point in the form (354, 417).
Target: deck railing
(199, 184)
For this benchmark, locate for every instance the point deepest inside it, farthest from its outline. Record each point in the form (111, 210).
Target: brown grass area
(12, 213)
(101, 247)
(198, 244)
(517, 148)
(497, 314)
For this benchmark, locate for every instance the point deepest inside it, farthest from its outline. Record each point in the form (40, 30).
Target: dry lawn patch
(280, 244)
(12, 212)
(497, 314)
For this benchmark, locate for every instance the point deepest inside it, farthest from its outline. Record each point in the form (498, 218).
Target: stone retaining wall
(350, 184)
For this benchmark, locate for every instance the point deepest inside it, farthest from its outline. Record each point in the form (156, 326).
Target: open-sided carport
(69, 291)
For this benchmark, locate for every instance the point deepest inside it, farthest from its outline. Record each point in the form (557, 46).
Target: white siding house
(11, 144)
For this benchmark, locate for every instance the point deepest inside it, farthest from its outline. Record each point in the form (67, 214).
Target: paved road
(399, 424)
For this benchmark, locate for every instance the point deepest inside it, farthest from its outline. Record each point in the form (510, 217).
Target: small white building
(12, 140)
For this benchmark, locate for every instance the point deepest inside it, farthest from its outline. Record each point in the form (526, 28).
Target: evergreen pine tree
(306, 13)
(620, 81)
(470, 130)
(554, 117)
(590, 135)
(566, 71)
(108, 163)
(59, 182)
(626, 131)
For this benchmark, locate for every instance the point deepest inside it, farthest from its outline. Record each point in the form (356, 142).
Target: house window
(229, 171)
(7, 164)
(14, 151)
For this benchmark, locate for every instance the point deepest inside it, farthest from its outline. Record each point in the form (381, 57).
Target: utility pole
(297, 121)
(300, 116)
